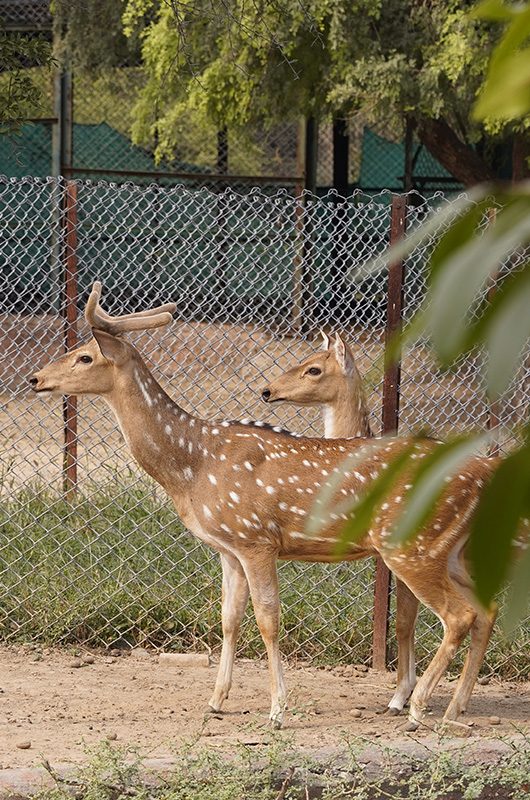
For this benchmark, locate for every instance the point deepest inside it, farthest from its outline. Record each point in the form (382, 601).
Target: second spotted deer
(330, 380)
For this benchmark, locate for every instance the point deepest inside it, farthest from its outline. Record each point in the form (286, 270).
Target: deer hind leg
(479, 634)
(457, 616)
(479, 638)
(406, 613)
(262, 578)
(234, 602)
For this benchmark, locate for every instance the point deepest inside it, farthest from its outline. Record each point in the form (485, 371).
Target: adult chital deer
(329, 379)
(246, 490)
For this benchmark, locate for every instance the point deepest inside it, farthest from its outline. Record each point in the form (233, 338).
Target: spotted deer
(330, 380)
(247, 489)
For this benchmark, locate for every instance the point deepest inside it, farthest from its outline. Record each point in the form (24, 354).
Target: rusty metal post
(390, 420)
(302, 284)
(70, 334)
(494, 410)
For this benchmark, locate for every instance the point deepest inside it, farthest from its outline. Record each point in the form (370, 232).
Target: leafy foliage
(276, 768)
(20, 94)
(460, 271)
(89, 35)
(238, 63)
(506, 92)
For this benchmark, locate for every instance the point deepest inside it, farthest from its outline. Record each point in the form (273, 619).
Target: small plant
(276, 770)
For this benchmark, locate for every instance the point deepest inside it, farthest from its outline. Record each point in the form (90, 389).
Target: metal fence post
(390, 420)
(70, 334)
(304, 190)
(494, 409)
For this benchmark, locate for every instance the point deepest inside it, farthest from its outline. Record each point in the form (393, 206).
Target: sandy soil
(60, 709)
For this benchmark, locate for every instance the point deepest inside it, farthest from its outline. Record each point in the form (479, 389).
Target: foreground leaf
(519, 593)
(468, 262)
(364, 510)
(502, 505)
(430, 481)
(507, 334)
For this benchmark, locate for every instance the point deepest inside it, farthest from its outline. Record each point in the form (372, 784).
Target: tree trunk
(458, 158)
(341, 145)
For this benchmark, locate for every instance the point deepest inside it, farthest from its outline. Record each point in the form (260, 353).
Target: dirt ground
(59, 708)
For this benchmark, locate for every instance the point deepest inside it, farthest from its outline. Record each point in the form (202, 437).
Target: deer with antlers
(247, 489)
(330, 380)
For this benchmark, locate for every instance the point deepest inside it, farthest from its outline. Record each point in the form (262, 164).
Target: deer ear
(325, 340)
(343, 355)
(110, 347)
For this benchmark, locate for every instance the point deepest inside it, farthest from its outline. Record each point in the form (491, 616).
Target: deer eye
(85, 359)
(314, 371)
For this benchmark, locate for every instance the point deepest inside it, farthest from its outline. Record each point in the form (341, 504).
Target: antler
(139, 321)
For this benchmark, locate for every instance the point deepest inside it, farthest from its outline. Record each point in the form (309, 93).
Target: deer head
(318, 379)
(328, 379)
(93, 367)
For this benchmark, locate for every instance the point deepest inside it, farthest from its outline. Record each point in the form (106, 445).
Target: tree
(235, 63)
(20, 93)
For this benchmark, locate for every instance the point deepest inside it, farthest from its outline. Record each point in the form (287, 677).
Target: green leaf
(506, 93)
(494, 10)
(509, 286)
(429, 483)
(502, 504)
(364, 510)
(423, 233)
(466, 270)
(507, 334)
(516, 34)
(518, 593)
(456, 237)
(319, 516)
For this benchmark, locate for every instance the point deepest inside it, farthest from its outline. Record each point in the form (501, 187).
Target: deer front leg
(406, 614)
(234, 603)
(262, 578)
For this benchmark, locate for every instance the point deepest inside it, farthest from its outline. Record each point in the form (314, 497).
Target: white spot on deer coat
(147, 397)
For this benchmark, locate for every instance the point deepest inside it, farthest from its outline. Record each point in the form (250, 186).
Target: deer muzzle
(38, 383)
(267, 395)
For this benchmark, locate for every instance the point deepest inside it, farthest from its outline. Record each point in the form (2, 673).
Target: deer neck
(164, 439)
(347, 415)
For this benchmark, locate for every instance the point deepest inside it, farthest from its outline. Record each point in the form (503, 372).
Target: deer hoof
(412, 725)
(276, 724)
(392, 711)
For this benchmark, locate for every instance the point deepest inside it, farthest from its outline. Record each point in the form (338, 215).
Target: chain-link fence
(253, 277)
